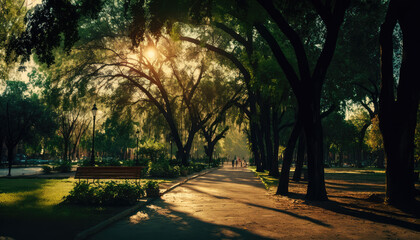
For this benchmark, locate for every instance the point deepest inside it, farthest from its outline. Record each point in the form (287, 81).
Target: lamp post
(137, 158)
(92, 157)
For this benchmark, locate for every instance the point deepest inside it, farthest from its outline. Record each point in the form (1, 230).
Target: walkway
(233, 204)
(21, 171)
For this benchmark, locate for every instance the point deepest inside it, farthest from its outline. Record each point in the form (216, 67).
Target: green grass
(267, 180)
(356, 175)
(31, 209)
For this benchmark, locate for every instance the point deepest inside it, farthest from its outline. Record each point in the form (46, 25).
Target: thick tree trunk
(397, 118)
(283, 187)
(300, 158)
(209, 149)
(254, 148)
(314, 146)
(253, 125)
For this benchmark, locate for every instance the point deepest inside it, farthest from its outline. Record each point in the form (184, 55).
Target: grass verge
(31, 209)
(267, 180)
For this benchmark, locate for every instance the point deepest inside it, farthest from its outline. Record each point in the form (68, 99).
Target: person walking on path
(233, 163)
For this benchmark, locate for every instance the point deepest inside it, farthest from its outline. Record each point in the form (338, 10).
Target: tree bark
(10, 157)
(314, 146)
(398, 114)
(283, 187)
(300, 158)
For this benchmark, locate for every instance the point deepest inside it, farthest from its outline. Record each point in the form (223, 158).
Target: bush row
(107, 193)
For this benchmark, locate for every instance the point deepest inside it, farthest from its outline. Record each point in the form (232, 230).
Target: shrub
(151, 185)
(184, 171)
(198, 167)
(158, 169)
(162, 168)
(174, 171)
(64, 167)
(152, 150)
(111, 162)
(118, 194)
(83, 193)
(105, 194)
(46, 169)
(152, 189)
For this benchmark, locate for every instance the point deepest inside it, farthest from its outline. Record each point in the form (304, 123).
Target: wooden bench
(109, 172)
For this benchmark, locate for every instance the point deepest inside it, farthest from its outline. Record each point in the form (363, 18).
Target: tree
(118, 135)
(22, 116)
(213, 101)
(398, 101)
(307, 86)
(12, 13)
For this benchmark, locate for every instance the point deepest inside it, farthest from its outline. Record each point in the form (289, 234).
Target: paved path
(21, 171)
(233, 204)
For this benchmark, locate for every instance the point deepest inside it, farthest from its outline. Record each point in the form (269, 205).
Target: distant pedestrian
(233, 163)
(236, 163)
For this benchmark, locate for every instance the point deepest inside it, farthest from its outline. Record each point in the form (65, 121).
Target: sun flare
(150, 53)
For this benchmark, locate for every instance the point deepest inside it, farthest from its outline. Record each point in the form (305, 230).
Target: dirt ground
(231, 203)
(355, 198)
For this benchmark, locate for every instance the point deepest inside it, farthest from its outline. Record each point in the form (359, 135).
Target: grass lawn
(31, 209)
(355, 175)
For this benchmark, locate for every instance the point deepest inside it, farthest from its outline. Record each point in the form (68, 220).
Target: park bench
(109, 173)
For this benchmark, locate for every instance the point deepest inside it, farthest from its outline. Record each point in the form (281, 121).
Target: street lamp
(92, 157)
(137, 159)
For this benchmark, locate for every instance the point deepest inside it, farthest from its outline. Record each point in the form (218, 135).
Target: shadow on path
(161, 221)
(264, 207)
(352, 210)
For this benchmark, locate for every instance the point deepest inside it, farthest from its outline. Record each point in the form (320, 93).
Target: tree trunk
(340, 159)
(276, 139)
(66, 148)
(362, 134)
(283, 187)
(314, 146)
(209, 149)
(10, 157)
(300, 158)
(398, 114)
(266, 129)
(261, 147)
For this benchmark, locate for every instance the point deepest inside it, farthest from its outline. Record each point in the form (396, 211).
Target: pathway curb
(89, 232)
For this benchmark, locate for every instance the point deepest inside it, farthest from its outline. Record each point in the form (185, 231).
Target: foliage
(46, 169)
(151, 185)
(109, 162)
(374, 136)
(118, 134)
(63, 167)
(12, 13)
(162, 168)
(152, 150)
(109, 193)
(23, 117)
(152, 189)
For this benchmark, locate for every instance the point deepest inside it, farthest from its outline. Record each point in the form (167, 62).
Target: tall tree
(398, 101)
(307, 85)
(22, 116)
